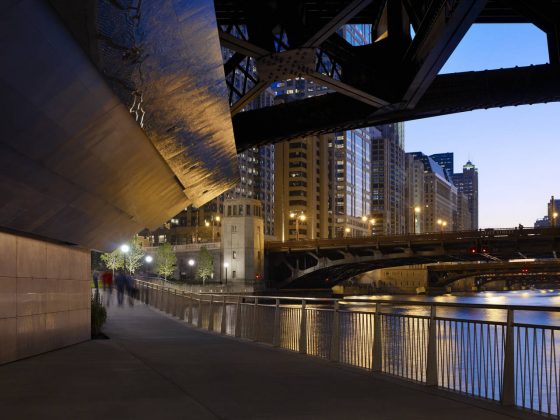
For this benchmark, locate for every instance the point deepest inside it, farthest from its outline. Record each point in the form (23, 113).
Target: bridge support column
(276, 333)
(508, 386)
(431, 362)
(376, 358)
(303, 329)
(335, 340)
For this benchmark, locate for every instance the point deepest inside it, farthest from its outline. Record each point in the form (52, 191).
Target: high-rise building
(389, 208)
(440, 209)
(553, 210)
(414, 193)
(467, 183)
(326, 179)
(445, 160)
(301, 188)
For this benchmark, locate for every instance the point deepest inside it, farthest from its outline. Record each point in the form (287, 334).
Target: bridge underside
(394, 78)
(100, 142)
(442, 275)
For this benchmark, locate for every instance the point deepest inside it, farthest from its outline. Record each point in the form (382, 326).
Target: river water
(470, 343)
(542, 298)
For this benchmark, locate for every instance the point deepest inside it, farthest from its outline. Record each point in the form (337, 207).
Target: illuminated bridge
(525, 271)
(324, 262)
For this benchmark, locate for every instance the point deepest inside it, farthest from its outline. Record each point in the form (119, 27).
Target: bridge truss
(394, 78)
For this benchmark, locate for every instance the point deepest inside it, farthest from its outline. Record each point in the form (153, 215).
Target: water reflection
(542, 298)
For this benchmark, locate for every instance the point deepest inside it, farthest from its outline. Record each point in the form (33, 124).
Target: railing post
(199, 317)
(191, 303)
(255, 317)
(238, 317)
(276, 331)
(169, 303)
(211, 314)
(183, 309)
(508, 384)
(335, 340)
(303, 329)
(431, 362)
(377, 353)
(176, 303)
(223, 326)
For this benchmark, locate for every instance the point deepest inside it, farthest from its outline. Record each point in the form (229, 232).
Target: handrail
(502, 360)
(383, 301)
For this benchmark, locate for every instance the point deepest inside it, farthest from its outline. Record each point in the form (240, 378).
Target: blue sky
(515, 148)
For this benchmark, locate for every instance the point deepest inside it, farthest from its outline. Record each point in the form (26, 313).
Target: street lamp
(442, 224)
(125, 248)
(149, 259)
(371, 223)
(190, 262)
(417, 211)
(226, 265)
(214, 220)
(298, 218)
(346, 232)
(554, 217)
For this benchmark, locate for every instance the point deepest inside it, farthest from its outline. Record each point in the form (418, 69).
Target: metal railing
(437, 344)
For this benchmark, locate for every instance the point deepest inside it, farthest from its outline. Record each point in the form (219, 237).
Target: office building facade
(467, 183)
(389, 208)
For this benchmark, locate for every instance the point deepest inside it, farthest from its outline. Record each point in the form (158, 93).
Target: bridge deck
(157, 367)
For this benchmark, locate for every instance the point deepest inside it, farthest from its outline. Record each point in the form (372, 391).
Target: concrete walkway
(155, 367)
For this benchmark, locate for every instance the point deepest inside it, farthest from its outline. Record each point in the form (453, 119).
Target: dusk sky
(515, 148)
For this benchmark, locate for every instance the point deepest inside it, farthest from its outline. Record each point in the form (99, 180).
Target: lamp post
(226, 265)
(554, 218)
(190, 262)
(298, 217)
(346, 232)
(416, 214)
(442, 224)
(214, 220)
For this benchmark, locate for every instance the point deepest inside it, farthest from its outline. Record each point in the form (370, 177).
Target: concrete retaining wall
(44, 296)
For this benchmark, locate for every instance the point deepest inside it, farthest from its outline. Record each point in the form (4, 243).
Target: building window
(233, 229)
(233, 255)
(233, 274)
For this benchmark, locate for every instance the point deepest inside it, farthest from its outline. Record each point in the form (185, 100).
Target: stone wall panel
(45, 301)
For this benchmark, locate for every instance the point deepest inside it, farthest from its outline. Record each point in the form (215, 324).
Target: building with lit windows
(467, 183)
(414, 194)
(445, 160)
(440, 194)
(326, 179)
(389, 207)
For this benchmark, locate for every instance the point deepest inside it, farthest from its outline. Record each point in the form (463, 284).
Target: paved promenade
(155, 367)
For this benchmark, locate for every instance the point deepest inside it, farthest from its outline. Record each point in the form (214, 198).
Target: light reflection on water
(550, 298)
